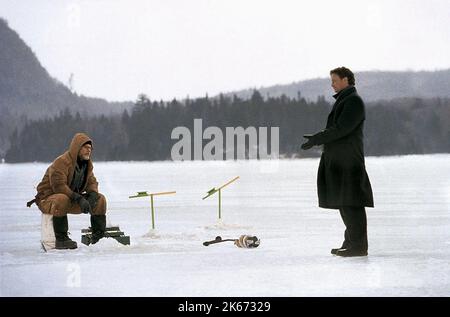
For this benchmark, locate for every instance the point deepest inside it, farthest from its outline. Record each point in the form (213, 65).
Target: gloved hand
(84, 204)
(309, 144)
(92, 199)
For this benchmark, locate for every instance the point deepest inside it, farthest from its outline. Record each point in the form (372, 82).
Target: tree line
(400, 126)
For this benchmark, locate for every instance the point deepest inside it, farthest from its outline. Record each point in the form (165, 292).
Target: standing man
(69, 186)
(342, 180)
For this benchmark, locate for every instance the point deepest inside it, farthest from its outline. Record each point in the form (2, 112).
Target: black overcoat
(342, 179)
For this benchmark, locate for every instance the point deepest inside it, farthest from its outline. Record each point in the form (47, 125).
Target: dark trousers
(355, 228)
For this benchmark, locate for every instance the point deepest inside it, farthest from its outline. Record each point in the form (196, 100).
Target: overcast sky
(175, 48)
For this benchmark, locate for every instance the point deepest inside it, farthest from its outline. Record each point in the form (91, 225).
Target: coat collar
(345, 92)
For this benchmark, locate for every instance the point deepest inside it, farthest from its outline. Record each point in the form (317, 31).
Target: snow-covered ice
(409, 233)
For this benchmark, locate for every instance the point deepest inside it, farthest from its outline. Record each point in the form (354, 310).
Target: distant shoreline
(253, 160)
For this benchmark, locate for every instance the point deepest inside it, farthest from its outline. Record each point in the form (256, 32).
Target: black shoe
(344, 246)
(350, 252)
(334, 251)
(60, 226)
(65, 243)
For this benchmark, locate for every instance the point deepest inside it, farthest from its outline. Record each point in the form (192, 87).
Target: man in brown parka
(69, 186)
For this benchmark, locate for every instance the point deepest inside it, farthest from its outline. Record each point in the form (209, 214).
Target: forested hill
(400, 126)
(27, 88)
(27, 91)
(372, 86)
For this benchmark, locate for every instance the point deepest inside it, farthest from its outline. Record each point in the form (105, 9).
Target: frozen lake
(409, 233)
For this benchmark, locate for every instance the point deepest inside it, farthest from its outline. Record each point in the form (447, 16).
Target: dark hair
(344, 72)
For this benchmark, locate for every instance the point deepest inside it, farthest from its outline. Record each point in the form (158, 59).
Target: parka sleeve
(92, 184)
(58, 180)
(352, 115)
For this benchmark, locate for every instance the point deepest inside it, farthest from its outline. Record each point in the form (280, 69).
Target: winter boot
(98, 225)
(334, 251)
(344, 246)
(60, 226)
(351, 252)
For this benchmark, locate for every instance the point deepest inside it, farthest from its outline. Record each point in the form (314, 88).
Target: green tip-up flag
(214, 190)
(140, 194)
(146, 194)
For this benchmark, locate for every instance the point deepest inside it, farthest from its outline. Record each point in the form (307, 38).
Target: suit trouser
(60, 205)
(355, 221)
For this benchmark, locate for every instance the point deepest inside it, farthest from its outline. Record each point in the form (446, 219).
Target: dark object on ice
(355, 221)
(88, 237)
(334, 251)
(244, 241)
(351, 252)
(62, 240)
(345, 245)
(218, 239)
(98, 225)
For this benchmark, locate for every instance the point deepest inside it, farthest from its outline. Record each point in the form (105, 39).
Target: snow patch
(409, 236)
(219, 225)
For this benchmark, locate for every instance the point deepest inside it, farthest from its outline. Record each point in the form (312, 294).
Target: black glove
(309, 144)
(84, 204)
(92, 199)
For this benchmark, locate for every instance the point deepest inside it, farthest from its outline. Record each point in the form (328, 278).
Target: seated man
(69, 186)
